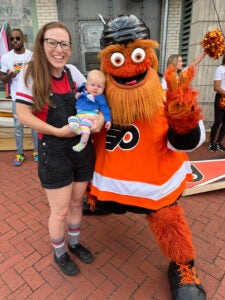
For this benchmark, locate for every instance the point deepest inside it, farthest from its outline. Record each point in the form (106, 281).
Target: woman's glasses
(17, 38)
(53, 44)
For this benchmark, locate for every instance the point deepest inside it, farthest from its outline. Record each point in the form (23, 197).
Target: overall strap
(70, 78)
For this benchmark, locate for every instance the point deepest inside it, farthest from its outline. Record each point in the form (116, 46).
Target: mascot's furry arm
(182, 110)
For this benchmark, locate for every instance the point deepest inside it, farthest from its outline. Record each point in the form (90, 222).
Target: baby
(90, 100)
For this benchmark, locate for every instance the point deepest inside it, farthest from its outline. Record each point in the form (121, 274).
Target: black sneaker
(212, 147)
(184, 282)
(220, 147)
(66, 264)
(82, 253)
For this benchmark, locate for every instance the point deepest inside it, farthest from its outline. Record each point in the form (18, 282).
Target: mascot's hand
(181, 107)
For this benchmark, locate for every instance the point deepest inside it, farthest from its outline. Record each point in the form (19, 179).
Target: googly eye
(138, 55)
(117, 59)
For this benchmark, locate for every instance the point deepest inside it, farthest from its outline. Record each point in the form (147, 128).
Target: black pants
(219, 119)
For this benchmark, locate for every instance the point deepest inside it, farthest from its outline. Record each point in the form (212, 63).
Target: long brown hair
(173, 60)
(39, 68)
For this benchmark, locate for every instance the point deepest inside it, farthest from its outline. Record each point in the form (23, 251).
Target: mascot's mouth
(130, 80)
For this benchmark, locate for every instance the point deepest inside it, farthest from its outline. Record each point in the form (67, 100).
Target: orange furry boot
(172, 233)
(174, 238)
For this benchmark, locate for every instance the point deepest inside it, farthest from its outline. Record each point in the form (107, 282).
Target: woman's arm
(217, 87)
(198, 59)
(26, 117)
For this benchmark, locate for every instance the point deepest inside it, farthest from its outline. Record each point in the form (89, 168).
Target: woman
(176, 61)
(219, 113)
(45, 99)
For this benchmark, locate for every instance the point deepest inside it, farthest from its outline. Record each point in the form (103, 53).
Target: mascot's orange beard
(141, 101)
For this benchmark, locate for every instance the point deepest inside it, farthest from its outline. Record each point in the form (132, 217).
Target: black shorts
(59, 165)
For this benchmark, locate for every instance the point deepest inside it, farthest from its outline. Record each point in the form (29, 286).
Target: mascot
(141, 162)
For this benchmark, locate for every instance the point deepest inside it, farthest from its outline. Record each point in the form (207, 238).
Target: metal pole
(164, 36)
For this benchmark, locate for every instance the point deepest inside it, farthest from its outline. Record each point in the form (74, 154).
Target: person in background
(45, 100)
(90, 100)
(176, 61)
(11, 64)
(219, 112)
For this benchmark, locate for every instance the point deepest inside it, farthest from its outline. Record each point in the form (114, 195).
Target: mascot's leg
(92, 206)
(174, 238)
(98, 210)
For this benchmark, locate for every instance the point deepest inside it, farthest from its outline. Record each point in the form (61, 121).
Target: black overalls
(58, 164)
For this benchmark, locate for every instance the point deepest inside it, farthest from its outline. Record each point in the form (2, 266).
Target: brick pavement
(128, 263)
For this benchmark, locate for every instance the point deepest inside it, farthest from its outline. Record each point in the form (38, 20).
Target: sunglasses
(17, 38)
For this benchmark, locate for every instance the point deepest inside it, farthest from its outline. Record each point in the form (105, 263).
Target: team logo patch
(197, 174)
(125, 138)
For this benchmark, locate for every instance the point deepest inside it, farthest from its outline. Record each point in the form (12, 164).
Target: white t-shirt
(11, 61)
(220, 75)
(164, 84)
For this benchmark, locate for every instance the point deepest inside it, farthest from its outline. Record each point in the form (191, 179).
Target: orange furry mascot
(141, 162)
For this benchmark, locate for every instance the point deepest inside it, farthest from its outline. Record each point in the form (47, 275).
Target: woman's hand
(98, 123)
(65, 132)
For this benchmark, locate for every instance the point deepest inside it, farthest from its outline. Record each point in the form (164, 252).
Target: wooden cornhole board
(209, 175)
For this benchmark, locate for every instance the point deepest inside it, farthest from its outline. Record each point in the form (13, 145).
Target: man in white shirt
(11, 64)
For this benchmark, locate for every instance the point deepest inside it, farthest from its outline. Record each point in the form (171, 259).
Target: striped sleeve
(24, 93)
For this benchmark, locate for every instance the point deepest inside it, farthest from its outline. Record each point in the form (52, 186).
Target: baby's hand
(77, 95)
(108, 125)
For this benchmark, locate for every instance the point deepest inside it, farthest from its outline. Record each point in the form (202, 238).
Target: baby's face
(95, 87)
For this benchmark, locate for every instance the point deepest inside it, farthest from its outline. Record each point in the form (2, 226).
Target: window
(185, 29)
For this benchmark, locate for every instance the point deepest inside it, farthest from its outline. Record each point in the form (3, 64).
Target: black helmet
(123, 29)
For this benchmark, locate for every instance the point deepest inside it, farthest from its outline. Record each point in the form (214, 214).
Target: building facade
(178, 26)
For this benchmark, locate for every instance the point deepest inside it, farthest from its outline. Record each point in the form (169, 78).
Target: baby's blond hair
(96, 74)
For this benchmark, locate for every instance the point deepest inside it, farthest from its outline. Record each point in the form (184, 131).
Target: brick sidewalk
(128, 264)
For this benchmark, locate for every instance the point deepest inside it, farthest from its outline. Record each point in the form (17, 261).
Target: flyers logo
(125, 138)
(197, 175)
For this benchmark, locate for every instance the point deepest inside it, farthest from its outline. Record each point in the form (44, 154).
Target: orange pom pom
(222, 102)
(213, 43)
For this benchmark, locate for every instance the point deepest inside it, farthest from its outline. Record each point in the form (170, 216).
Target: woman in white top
(219, 114)
(176, 61)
